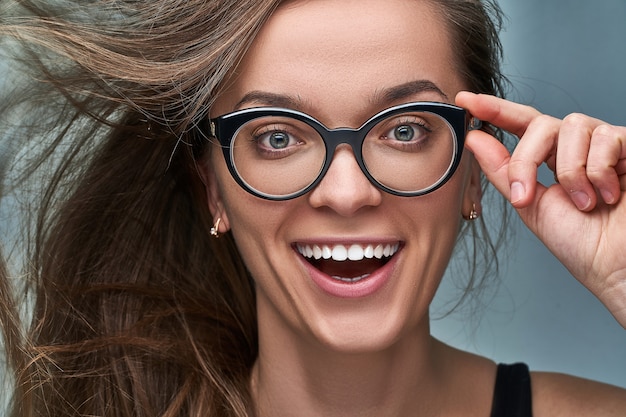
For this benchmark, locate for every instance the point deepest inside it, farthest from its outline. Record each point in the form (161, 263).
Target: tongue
(348, 269)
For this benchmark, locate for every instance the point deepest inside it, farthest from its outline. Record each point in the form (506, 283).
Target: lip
(344, 289)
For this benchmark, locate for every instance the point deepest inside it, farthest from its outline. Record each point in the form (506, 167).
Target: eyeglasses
(406, 150)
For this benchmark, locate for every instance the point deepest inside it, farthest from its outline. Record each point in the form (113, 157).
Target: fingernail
(607, 196)
(581, 199)
(517, 192)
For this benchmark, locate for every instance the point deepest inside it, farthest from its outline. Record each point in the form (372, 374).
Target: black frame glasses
(225, 129)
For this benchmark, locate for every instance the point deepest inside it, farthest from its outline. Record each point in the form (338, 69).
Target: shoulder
(556, 395)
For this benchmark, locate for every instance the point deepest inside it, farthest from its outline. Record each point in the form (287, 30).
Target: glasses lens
(277, 155)
(410, 152)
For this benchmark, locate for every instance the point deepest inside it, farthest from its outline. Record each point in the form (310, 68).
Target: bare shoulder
(557, 395)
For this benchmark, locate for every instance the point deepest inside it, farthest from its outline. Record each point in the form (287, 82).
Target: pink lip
(362, 288)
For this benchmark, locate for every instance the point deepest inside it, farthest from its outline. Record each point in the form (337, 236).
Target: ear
(213, 193)
(473, 193)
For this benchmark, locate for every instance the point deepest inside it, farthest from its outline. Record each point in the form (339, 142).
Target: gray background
(562, 57)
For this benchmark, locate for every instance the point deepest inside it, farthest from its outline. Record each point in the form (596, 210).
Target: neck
(293, 374)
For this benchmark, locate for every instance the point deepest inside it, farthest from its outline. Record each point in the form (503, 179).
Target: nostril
(345, 188)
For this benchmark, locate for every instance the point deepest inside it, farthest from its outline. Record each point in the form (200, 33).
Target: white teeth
(340, 253)
(355, 279)
(353, 252)
(378, 251)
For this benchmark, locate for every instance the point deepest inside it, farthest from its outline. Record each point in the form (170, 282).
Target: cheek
(255, 224)
(238, 206)
(444, 206)
(436, 225)
(437, 222)
(260, 229)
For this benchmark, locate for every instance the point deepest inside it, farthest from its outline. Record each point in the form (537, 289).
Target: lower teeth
(355, 279)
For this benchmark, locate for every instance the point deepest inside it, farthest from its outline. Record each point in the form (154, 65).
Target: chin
(367, 332)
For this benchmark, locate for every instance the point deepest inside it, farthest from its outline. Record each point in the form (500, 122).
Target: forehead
(330, 53)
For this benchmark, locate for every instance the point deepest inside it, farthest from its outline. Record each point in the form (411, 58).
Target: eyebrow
(269, 99)
(387, 96)
(412, 88)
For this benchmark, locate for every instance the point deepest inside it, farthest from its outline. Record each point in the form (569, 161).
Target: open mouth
(348, 263)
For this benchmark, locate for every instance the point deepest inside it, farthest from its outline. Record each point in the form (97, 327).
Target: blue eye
(275, 139)
(278, 140)
(276, 143)
(408, 132)
(404, 133)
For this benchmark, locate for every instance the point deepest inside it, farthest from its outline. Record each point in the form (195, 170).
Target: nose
(344, 188)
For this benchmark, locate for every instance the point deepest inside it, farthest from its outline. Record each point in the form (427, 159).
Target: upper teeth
(353, 252)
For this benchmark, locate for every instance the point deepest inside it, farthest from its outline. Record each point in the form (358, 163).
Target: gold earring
(473, 214)
(215, 230)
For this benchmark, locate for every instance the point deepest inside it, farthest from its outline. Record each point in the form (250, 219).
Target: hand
(582, 218)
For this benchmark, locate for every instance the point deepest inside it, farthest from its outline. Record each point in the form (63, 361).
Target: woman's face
(342, 62)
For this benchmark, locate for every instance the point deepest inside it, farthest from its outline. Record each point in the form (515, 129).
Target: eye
(405, 131)
(274, 139)
(277, 140)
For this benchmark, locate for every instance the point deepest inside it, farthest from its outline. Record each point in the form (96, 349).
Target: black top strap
(512, 396)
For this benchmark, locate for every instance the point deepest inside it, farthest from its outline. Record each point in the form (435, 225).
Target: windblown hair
(124, 305)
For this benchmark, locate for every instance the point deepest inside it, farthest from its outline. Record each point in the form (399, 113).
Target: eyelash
(260, 134)
(412, 145)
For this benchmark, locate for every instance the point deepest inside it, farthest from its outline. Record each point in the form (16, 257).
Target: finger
(537, 146)
(512, 117)
(606, 162)
(493, 158)
(620, 169)
(571, 159)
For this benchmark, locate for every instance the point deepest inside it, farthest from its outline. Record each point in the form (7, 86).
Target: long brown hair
(136, 311)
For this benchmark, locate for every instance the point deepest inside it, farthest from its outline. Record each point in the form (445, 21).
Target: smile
(348, 263)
